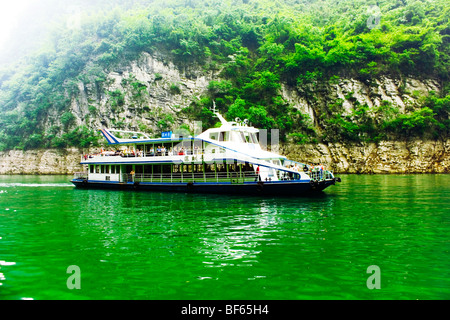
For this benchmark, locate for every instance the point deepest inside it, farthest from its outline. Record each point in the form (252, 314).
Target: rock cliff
(52, 161)
(151, 89)
(383, 157)
(144, 95)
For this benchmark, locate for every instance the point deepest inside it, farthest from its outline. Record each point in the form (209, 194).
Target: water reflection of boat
(228, 159)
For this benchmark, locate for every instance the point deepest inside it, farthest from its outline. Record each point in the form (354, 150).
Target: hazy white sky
(10, 10)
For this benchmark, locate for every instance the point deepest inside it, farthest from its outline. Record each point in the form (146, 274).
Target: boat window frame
(214, 136)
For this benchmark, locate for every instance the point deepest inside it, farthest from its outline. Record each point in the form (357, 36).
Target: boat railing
(159, 154)
(142, 154)
(233, 177)
(320, 175)
(80, 175)
(315, 172)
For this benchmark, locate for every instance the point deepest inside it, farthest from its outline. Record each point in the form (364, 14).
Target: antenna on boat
(218, 115)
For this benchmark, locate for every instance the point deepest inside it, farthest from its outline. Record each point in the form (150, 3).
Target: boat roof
(114, 140)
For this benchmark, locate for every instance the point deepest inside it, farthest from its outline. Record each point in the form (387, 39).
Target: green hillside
(257, 46)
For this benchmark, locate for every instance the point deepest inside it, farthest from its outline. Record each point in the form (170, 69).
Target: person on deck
(258, 177)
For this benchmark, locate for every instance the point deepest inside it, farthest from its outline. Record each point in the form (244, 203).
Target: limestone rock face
(399, 93)
(384, 157)
(137, 96)
(412, 156)
(415, 156)
(51, 161)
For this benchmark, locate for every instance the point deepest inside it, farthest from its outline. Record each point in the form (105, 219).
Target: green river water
(141, 245)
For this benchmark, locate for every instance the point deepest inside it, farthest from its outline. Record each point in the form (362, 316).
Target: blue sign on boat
(166, 134)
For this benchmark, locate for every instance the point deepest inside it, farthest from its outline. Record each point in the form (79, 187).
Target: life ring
(84, 182)
(314, 184)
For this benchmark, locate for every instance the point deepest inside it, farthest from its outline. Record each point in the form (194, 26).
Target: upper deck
(232, 140)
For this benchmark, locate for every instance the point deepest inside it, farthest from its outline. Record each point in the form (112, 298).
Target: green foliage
(263, 85)
(440, 106)
(166, 122)
(238, 110)
(414, 123)
(117, 99)
(369, 72)
(220, 87)
(341, 127)
(138, 88)
(92, 110)
(79, 137)
(67, 119)
(34, 141)
(174, 89)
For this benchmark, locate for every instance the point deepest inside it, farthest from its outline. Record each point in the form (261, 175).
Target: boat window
(237, 136)
(128, 168)
(213, 135)
(139, 168)
(246, 136)
(224, 136)
(253, 138)
(247, 167)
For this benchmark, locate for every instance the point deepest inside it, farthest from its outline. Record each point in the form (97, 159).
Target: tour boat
(228, 159)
